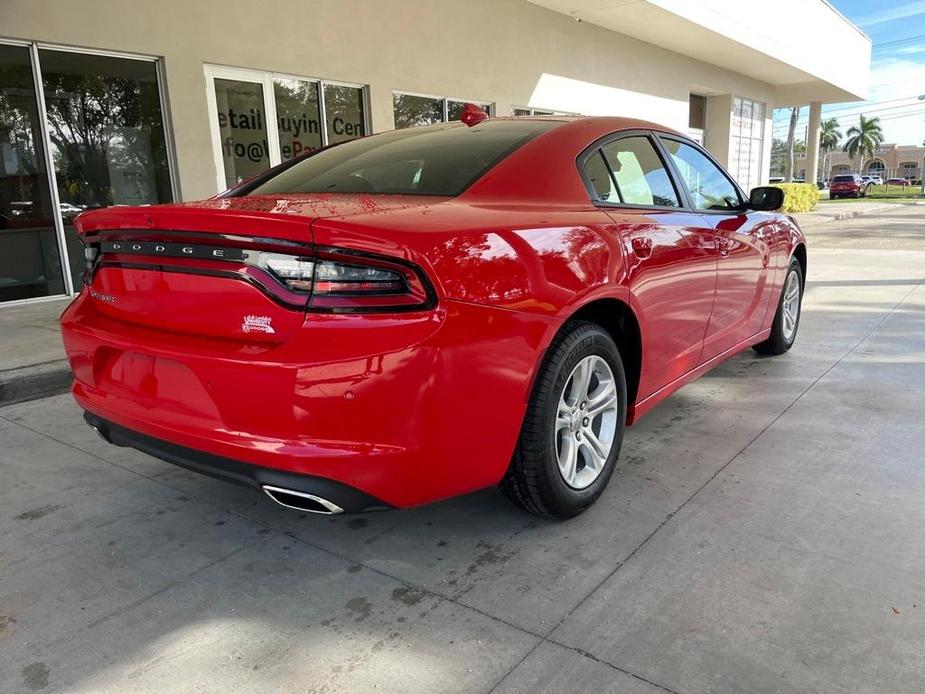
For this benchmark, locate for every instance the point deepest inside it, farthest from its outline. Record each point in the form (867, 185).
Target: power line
(780, 127)
(849, 111)
(878, 46)
(865, 104)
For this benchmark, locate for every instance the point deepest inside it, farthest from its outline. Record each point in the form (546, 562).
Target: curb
(34, 382)
(824, 216)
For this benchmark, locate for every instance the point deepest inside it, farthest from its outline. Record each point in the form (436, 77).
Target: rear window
(437, 160)
(842, 179)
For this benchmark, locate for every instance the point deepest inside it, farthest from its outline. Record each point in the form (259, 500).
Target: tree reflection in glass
(30, 264)
(107, 135)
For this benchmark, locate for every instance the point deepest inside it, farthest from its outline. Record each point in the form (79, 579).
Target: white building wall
(509, 52)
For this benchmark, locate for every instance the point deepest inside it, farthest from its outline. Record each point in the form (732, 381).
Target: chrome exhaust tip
(300, 501)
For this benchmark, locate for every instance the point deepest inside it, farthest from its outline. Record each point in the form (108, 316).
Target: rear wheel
(573, 428)
(787, 319)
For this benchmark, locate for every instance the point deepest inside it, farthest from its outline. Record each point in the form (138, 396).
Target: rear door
(670, 252)
(743, 242)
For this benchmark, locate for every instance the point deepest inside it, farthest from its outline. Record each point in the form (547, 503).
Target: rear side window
(710, 189)
(605, 189)
(438, 160)
(638, 174)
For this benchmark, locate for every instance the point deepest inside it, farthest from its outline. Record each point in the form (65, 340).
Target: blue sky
(897, 71)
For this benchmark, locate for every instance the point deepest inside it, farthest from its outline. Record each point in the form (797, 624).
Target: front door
(742, 242)
(670, 256)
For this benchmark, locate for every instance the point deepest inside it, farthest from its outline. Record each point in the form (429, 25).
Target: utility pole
(794, 116)
(922, 172)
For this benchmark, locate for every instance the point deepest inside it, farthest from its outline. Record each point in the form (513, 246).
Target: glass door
(30, 260)
(107, 136)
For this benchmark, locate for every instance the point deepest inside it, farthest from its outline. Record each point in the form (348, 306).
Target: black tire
(778, 342)
(533, 481)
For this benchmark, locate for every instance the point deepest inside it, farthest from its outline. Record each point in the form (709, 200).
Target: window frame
(743, 198)
(595, 149)
(265, 79)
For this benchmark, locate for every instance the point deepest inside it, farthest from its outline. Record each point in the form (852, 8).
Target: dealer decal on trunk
(258, 324)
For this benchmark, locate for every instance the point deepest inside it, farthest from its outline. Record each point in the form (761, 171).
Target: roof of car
(603, 123)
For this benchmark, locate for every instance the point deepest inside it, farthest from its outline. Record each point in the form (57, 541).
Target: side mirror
(766, 199)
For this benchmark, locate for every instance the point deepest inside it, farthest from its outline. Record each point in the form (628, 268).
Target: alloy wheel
(791, 305)
(586, 422)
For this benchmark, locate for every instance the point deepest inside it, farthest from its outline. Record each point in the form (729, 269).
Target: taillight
(320, 279)
(355, 284)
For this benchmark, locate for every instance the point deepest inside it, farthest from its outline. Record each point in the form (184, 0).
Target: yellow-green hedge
(798, 197)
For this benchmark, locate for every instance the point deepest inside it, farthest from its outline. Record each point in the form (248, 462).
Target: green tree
(863, 139)
(829, 137)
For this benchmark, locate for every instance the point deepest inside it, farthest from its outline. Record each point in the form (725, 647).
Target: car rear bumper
(315, 491)
(402, 409)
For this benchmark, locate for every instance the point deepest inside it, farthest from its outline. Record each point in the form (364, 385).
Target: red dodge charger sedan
(422, 313)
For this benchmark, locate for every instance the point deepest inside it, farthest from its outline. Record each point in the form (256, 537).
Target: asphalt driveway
(765, 532)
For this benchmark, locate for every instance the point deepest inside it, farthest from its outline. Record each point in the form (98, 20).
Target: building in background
(124, 102)
(890, 161)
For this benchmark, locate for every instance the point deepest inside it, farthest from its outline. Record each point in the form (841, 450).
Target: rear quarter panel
(546, 260)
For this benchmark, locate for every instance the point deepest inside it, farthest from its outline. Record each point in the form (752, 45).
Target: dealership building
(128, 103)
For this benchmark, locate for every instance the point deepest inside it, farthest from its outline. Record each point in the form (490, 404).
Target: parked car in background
(873, 180)
(897, 182)
(422, 313)
(847, 186)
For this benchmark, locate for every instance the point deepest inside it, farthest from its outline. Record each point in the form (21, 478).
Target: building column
(812, 142)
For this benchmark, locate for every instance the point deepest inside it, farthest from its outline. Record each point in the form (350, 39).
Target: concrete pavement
(32, 363)
(763, 532)
(826, 211)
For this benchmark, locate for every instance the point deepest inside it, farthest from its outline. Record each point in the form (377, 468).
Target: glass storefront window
(522, 111)
(242, 129)
(298, 116)
(746, 141)
(107, 136)
(308, 114)
(454, 109)
(30, 262)
(344, 112)
(411, 110)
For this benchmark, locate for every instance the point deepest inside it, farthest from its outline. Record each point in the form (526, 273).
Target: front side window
(638, 172)
(710, 189)
(440, 160)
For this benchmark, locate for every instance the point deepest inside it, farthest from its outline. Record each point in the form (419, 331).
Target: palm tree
(863, 139)
(829, 137)
(791, 133)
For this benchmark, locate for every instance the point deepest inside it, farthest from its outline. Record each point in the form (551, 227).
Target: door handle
(642, 247)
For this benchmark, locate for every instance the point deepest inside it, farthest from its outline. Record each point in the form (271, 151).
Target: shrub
(798, 197)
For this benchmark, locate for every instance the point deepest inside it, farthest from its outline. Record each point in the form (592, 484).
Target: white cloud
(910, 50)
(910, 9)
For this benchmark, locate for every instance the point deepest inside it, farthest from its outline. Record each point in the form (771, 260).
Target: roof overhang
(805, 48)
